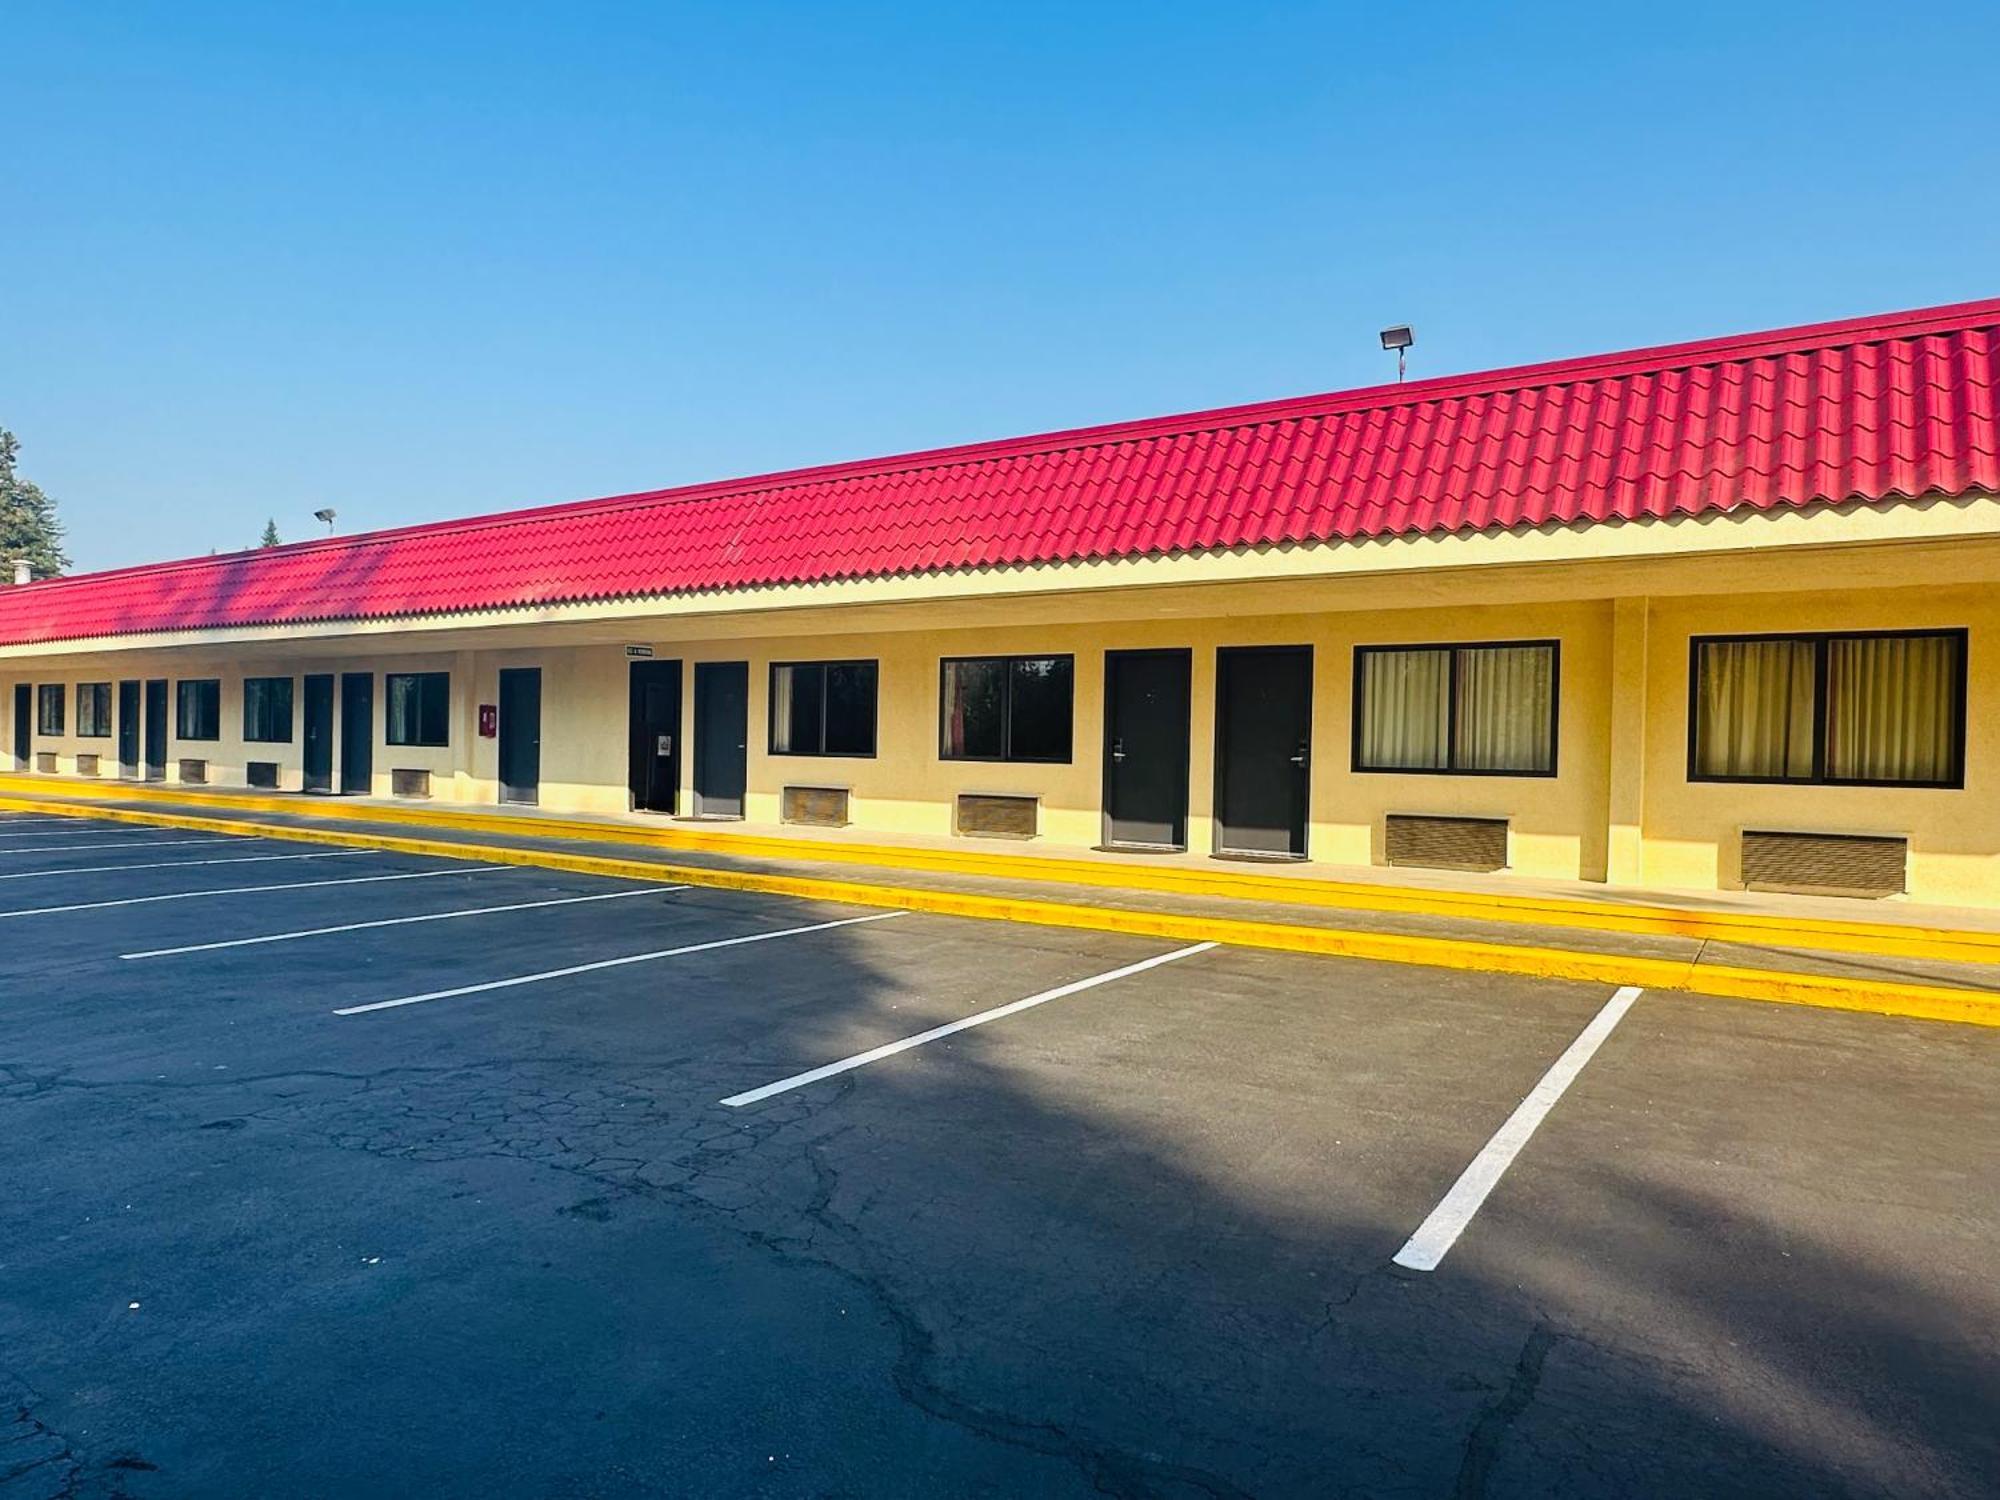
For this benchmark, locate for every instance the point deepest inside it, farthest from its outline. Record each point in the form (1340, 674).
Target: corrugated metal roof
(1871, 409)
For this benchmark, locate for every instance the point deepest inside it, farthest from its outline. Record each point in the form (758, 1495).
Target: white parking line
(73, 827)
(434, 916)
(184, 864)
(890, 1049)
(248, 890)
(128, 844)
(1438, 1233)
(613, 963)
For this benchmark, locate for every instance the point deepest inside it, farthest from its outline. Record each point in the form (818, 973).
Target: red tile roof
(1873, 409)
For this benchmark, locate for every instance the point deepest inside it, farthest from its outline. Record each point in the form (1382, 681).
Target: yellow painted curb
(1829, 935)
(1928, 1002)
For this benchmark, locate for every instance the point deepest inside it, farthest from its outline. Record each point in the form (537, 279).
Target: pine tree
(28, 524)
(270, 537)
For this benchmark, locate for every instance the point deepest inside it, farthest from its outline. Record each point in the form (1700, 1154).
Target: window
(1482, 710)
(49, 708)
(420, 708)
(1881, 708)
(823, 708)
(93, 710)
(1007, 708)
(267, 710)
(198, 710)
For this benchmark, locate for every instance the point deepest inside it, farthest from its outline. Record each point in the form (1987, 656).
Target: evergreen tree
(270, 537)
(28, 524)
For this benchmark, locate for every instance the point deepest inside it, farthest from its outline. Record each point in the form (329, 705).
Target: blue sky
(419, 261)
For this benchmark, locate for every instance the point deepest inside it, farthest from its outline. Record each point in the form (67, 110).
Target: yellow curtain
(1754, 708)
(781, 709)
(1405, 724)
(1505, 698)
(1892, 708)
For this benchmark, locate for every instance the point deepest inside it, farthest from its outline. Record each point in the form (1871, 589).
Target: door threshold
(1139, 848)
(709, 818)
(1247, 857)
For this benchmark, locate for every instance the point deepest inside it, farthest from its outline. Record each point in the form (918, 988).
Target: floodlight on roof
(327, 516)
(1399, 337)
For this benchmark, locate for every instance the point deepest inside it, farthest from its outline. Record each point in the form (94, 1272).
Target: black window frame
(874, 666)
(1007, 757)
(101, 693)
(251, 685)
(1359, 708)
(51, 695)
(181, 699)
(389, 712)
(1820, 640)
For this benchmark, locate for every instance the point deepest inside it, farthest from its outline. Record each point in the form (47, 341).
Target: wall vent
(45, 760)
(1445, 843)
(194, 772)
(410, 783)
(991, 816)
(1825, 864)
(86, 765)
(262, 773)
(815, 806)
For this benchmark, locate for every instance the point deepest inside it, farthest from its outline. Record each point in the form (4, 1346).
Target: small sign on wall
(489, 720)
(639, 653)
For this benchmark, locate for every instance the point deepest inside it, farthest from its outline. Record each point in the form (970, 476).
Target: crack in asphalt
(610, 1133)
(1482, 1443)
(31, 1451)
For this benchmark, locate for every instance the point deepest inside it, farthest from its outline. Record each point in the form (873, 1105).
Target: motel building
(1711, 616)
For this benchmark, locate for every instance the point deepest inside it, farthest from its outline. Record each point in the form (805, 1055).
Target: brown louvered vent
(989, 816)
(410, 783)
(86, 765)
(816, 806)
(1445, 843)
(45, 760)
(1825, 864)
(194, 772)
(262, 773)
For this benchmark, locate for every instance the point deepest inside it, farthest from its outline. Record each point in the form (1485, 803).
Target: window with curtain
(1481, 710)
(267, 710)
(49, 708)
(1876, 709)
(198, 709)
(823, 708)
(93, 710)
(1007, 708)
(419, 708)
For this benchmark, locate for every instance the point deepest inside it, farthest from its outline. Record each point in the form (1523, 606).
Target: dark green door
(318, 757)
(128, 730)
(655, 735)
(521, 734)
(156, 729)
(357, 733)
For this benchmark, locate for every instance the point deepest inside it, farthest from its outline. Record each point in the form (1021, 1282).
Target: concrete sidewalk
(1893, 957)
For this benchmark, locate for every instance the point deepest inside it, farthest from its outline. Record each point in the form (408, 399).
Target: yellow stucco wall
(1620, 808)
(1692, 829)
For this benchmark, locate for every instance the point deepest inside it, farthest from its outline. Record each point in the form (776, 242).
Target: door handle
(1299, 759)
(1118, 749)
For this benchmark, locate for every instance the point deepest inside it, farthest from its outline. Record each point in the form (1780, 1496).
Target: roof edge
(1659, 358)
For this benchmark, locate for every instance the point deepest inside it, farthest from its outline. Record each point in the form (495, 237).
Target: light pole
(1399, 338)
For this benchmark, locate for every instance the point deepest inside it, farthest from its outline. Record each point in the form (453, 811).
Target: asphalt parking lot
(342, 1173)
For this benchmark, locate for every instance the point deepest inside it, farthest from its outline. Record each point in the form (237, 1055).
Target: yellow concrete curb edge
(1927, 1002)
(1876, 939)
